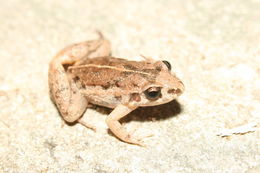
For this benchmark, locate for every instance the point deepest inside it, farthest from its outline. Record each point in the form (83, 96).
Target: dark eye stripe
(167, 64)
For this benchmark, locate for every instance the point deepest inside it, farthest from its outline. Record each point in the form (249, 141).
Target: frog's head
(164, 87)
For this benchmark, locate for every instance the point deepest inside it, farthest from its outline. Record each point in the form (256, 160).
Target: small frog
(86, 74)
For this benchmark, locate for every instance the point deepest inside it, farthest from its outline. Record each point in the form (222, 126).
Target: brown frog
(85, 73)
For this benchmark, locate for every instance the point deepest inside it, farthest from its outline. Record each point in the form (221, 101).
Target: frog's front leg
(118, 130)
(63, 90)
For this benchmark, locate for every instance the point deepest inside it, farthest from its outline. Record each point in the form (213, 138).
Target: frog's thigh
(99, 48)
(70, 102)
(90, 49)
(83, 50)
(77, 104)
(118, 130)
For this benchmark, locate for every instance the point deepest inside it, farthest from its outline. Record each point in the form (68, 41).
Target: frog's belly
(106, 101)
(105, 97)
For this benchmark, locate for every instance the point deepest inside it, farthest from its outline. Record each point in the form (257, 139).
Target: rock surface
(213, 46)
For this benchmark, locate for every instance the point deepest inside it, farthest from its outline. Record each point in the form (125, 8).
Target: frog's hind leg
(64, 93)
(69, 101)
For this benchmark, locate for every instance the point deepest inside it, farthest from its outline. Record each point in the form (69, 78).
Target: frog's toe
(138, 142)
(86, 124)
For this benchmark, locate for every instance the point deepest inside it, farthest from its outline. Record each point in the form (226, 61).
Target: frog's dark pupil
(153, 93)
(167, 64)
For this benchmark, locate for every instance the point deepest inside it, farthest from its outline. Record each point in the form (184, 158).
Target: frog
(86, 73)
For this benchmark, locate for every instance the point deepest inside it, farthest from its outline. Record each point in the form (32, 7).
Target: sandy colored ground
(214, 47)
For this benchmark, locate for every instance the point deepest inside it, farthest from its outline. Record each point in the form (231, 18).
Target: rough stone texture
(214, 47)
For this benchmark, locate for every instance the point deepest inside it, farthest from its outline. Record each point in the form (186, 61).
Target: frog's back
(109, 72)
(109, 81)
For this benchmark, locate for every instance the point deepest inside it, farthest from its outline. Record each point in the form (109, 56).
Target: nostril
(171, 91)
(178, 92)
(175, 91)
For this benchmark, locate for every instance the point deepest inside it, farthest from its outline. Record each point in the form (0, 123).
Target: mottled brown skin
(85, 73)
(109, 72)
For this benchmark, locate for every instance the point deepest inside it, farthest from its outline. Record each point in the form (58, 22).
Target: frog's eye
(153, 93)
(167, 64)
